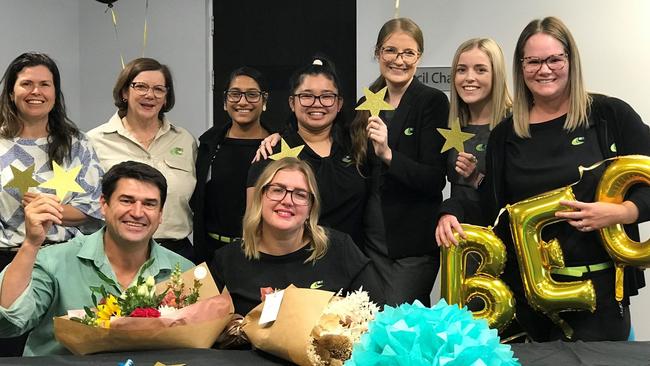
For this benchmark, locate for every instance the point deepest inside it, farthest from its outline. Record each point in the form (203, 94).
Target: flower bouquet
(149, 316)
(313, 327)
(441, 335)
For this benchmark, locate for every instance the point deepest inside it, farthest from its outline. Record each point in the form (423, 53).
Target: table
(529, 354)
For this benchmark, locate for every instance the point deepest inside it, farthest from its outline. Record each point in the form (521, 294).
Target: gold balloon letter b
(457, 289)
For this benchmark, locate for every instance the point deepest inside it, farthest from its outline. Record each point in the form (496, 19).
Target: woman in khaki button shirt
(139, 131)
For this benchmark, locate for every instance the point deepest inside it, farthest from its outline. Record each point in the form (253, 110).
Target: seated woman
(139, 131)
(283, 244)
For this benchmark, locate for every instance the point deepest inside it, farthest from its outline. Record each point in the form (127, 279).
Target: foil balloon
(537, 258)
(456, 288)
(624, 172)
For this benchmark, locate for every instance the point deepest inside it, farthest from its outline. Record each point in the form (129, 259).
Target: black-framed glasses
(532, 64)
(276, 192)
(390, 54)
(308, 99)
(252, 96)
(159, 91)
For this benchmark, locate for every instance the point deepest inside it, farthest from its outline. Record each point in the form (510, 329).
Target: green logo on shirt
(176, 151)
(481, 147)
(408, 131)
(578, 141)
(612, 147)
(317, 284)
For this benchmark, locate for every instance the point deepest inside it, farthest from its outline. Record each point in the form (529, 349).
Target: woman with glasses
(283, 243)
(319, 131)
(139, 131)
(219, 200)
(556, 127)
(35, 132)
(404, 147)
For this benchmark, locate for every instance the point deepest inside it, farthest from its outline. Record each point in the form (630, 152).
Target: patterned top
(22, 154)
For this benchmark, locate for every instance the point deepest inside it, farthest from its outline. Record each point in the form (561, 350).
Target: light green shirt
(172, 151)
(61, 281)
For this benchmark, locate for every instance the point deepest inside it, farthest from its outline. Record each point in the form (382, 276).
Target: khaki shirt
(172, 152)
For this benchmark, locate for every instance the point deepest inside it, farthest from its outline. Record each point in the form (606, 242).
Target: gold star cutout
(454, 137)
(286, 151)
(375, 102)
(63, 181)
(22, 180)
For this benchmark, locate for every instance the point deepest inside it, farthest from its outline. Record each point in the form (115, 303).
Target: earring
(124, 100)
(264, 108)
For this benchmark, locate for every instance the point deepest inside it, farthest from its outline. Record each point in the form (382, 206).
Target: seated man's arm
(40, 214)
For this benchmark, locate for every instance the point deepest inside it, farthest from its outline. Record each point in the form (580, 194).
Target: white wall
(177, 36)
(613, 38)
(48, 26)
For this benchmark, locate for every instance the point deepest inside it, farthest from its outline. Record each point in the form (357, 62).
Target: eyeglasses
(252, 96)
(390, 54)
(159, 91)
(276, 192)
(308, 100)
(532, 65)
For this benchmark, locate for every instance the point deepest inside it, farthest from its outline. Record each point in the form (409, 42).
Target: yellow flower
(107, 310)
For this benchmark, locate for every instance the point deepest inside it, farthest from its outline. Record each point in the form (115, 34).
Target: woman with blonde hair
(283, 244)
(556, 127)
(479, 100)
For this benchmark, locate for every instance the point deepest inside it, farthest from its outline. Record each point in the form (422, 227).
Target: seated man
(41, 284)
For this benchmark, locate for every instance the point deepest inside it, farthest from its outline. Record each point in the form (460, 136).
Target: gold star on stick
(63, 181)
(286, 151)
(22, 180)
(454, 137)
(375, 102)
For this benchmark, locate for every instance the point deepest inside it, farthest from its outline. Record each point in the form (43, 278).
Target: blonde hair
(579, 99)
(252, 223)
(358, 124)
(500, 99)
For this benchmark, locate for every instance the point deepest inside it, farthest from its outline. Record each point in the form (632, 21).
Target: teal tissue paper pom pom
(443, 335)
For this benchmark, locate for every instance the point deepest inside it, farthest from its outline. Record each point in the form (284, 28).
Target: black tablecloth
(530, 354)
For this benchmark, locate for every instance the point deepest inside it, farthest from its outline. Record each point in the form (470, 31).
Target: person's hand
(586, 216)
(447, 225)
(466, 164)
(378, 134)
(28, 197)
(40, 214)
(266, 147)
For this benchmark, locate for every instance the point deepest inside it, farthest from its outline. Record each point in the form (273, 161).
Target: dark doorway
(277, 37)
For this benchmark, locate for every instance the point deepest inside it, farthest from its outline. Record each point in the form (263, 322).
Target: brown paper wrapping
(289, 336)
(195, 326)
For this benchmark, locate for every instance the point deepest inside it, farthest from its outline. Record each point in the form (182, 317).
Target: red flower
(145, 313)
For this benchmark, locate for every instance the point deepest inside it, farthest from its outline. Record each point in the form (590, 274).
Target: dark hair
(133, 69)
(60, 128)
(251, 73)
(135, 170)
(319, 65)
